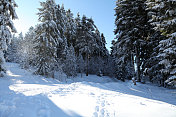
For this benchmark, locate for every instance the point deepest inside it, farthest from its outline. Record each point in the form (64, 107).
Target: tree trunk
(137, 62)
(87, 62)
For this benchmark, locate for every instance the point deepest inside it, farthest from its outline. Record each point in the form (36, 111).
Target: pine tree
(80, 64)
(86, 42)
(11, 54)
(78, 33)
(104, 51)
(152, 68)
(70, 32)
(47, 39)
(131, 30)
(61, 22)
(7, 14)
(109, 66)
(163, 16)
(90, 43)
(70, 62)
(29, 50)
(20, 49)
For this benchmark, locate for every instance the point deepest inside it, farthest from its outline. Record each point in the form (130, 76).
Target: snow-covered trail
(25, 95)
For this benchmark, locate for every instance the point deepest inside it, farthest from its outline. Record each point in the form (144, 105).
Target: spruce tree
(80, 64)
(131, 32)
(29, 50)
(104, 51)
(70, 62)
(11, 54)
(78, 33)
(86, 42)
(61, 22)
(7, 14)
(152, 68)
(70, 32)
(162, 14)
(47, 39)
(20, 49)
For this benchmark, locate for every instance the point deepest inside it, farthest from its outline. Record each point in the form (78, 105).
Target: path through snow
(25, 95)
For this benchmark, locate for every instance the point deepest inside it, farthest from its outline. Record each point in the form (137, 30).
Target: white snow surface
(23, 94)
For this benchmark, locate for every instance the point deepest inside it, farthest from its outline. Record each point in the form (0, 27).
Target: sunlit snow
(93, 96)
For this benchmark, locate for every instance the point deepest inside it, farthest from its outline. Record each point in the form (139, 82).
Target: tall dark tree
(85, 43)
(70, 32)
(61, 22)
(131, 30)
(162, 14)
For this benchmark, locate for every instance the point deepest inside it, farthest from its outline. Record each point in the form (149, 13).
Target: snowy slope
(25, 95)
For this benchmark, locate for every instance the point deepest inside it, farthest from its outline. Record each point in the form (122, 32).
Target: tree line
(61, 43)
(144, 48)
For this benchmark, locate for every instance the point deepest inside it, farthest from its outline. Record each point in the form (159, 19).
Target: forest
(62, 66)
(144, 49)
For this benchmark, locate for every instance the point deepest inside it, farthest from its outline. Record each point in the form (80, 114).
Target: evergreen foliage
(131, 30)
(28, 49)
(70, 66)
(47, 39)
(145, 43)
(144, 47)
(163, 18)
(7, 14)
(12, 50)
(61, 42)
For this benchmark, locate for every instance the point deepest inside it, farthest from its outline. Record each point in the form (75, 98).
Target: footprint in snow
(97, 108)
(100, 108)
(142, 104)
(102, 113)
(103, 104)
(92, 94)
(43, 112)
(95, 114)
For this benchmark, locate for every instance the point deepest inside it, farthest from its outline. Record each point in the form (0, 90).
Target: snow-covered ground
(23, 94)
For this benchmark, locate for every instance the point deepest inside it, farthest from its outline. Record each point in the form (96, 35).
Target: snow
(23, 94)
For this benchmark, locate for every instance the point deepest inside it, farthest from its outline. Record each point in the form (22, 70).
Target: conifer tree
(131, 30)
(70, 32)
(152, 68)
(80, 64)
(78, 33)
(162, 14)
(47, 39)
(7, 14)
(11, 54)
(86, 42)
(103, 46)
(20, 49)
(29, 50)
(70, 62)
(61, 21)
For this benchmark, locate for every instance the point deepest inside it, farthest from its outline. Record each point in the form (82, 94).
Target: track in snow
(25, 95)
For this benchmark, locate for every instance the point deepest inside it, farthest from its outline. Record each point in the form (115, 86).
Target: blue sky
(102, 11)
